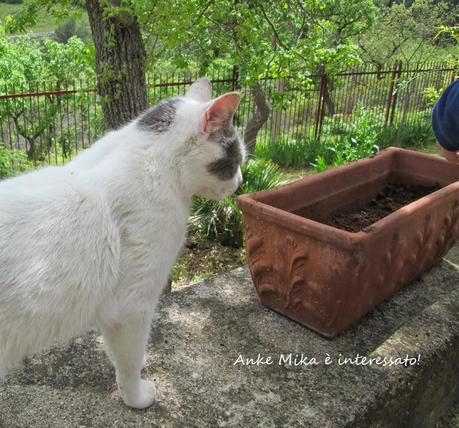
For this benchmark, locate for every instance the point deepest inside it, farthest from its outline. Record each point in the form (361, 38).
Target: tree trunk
(280, 119)
(120, 64)
(328, 100)
(258, 119)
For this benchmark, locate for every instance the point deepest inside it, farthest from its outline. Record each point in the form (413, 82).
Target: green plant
(431, 95)
(12, 161)
(289, 151)
(222, 220)
(415, 135)
(346, 142)
(320, 163)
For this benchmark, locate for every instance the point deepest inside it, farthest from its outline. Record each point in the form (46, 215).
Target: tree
(406, 32)
(25, 66)
(275, 38)
(120, 52)
(278, 39)
(120, 61)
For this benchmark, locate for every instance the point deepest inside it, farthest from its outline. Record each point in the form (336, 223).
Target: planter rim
(342, 238)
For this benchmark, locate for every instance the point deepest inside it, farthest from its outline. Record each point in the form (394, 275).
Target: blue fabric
(445, 118)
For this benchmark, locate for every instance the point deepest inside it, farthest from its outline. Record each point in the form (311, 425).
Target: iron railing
(52, 122)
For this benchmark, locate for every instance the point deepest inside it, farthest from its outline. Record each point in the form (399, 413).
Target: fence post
(395, 93)
(321, 104)
(392, 96)
(235, 78)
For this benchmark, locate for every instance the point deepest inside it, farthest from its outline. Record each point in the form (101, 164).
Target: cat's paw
(143, 398)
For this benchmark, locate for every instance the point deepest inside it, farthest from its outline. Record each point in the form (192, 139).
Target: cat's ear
(220, 113)
(201, 90)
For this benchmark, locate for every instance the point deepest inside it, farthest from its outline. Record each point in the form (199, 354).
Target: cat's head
(209, 147)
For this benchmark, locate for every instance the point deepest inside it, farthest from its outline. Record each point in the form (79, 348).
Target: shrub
(70, 28)
(347, 142)
(222, 220)
(12, 161)
(417, 135)
(362, 122)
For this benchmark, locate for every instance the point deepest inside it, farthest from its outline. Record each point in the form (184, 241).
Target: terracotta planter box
(326, 278)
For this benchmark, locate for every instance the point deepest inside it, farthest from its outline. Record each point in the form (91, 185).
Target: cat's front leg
(107, 351)
(125, 344)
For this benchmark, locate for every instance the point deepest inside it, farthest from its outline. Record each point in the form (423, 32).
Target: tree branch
(203, 11)
(273, 27)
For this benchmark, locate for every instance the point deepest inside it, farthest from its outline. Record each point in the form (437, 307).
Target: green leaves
(276, 38)
(26, 60)
(406, 31)
(28, 65)
(12, 161)
(264, 38)
(347, 142)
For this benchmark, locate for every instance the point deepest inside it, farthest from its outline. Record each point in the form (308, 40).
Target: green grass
(45, 22)
(431, 148)
(290, 152)
(290, 174)
(295, 173)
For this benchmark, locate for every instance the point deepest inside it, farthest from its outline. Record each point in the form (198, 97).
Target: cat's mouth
(215, 194)
(226, 193)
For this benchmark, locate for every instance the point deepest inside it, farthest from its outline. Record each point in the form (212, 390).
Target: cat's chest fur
(151, 217)
(152, 231)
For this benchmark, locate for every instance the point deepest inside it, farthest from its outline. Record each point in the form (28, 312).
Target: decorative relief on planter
(326, 278)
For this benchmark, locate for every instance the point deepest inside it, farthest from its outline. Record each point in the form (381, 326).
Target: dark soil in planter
(390, 199)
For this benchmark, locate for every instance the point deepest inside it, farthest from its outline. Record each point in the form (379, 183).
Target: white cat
(91, 244)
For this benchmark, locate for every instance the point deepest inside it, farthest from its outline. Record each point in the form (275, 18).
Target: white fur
(91, 244)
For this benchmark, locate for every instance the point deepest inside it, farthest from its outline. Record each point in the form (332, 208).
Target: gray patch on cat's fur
(160, 117)
(226, 167)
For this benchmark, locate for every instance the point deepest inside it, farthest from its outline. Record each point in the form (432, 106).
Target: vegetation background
(115, 45)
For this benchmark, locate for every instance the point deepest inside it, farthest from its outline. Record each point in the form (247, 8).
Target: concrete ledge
(202, 330)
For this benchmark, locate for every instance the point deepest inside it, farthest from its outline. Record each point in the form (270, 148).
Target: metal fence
(52, 122)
